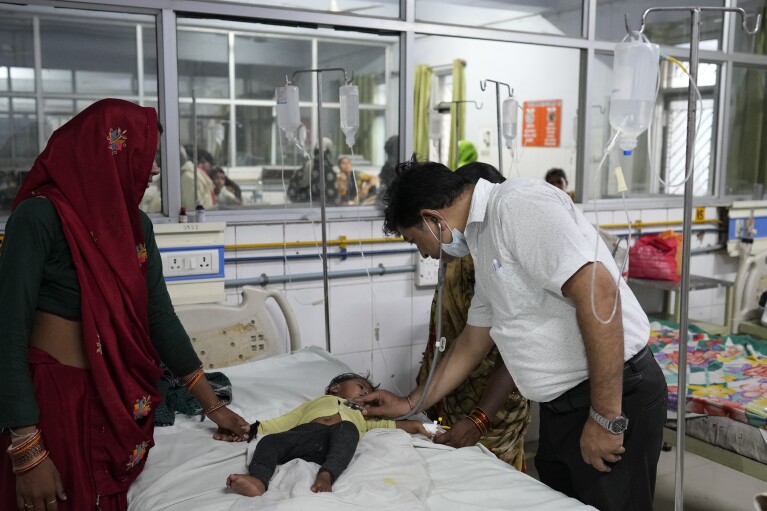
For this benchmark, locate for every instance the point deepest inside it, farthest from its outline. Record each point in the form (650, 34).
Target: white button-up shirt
(527, 239)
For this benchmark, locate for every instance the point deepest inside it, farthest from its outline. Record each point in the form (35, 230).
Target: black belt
(580, 396)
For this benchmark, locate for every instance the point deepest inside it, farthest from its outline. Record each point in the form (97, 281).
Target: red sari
(98, 423)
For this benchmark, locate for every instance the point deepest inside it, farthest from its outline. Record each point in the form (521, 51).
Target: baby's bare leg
(323, 482)
(245, 484)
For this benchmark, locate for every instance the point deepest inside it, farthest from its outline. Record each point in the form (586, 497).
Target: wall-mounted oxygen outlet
(190, 263)
(427, 272)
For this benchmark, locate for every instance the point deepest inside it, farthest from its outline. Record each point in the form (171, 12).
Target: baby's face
(352, 389)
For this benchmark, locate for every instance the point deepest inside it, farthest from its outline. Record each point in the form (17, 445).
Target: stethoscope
(440, 342)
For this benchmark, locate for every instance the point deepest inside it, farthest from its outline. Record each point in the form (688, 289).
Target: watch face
(619, 425)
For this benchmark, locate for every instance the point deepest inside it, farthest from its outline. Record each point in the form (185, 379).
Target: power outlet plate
(190, 263)
(427, 273)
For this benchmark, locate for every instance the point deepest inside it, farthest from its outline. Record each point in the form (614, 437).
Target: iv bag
(635, 84)
(509, 120)
(349, 96)
(288, 116)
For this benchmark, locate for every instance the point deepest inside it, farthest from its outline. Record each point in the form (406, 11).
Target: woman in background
(87, 320)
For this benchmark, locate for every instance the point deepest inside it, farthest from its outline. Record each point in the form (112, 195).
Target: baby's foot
(246, 485)
(323, 482)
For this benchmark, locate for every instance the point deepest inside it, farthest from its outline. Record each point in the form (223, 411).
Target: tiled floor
(708, 485)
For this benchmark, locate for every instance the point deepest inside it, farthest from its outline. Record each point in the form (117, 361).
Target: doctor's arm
(465, 353)
(604, 352)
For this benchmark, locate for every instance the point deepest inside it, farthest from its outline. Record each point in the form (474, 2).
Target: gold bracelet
(212, 408)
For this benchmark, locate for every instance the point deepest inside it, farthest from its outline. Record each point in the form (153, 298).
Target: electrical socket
(427, 274)
(183, 263)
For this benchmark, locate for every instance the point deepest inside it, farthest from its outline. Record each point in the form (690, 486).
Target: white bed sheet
(187, 470)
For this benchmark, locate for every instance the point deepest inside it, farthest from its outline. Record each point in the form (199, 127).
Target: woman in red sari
(87, 320)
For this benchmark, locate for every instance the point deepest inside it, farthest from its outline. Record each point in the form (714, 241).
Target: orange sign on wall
(542, 123)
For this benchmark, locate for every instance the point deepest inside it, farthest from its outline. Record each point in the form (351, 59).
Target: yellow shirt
(323, 406)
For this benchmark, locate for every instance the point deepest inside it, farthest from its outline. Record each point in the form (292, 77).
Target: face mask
(458, 247)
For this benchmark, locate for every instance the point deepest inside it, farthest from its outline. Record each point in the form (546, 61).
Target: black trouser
(330, 446)
(630, 485)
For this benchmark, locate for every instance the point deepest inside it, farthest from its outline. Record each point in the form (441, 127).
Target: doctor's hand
(463, 433)
(599, 447)
(231, 427)
(382, 403)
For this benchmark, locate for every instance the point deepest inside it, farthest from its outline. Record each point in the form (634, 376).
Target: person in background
(347, 185)
(204, 193)
(558, 178)
(467, 153)
(391, 148)
(206, 162)
(510, 412)
(87, 320)
(602, 395)
(325, 431)
(224, 197)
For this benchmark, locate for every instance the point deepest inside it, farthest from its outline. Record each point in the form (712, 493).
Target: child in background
(325, 430)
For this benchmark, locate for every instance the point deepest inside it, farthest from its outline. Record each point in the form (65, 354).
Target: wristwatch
(616, 426)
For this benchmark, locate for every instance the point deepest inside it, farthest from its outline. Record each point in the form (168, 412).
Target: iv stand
(483, 85)
(684, 291)
(322, 190)
(443, 107)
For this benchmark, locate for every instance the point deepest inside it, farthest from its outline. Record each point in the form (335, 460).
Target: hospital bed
(726, 402)
(392, 470)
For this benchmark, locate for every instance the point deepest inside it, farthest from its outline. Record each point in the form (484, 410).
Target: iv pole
(483, 85)
(322, 190)
(684, 291)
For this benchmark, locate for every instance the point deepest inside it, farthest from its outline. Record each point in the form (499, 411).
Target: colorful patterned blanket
(725, 376)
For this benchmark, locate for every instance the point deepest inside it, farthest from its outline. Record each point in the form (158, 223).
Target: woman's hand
(231, 427)
(39, 489)
(413, 427)
(461, 434)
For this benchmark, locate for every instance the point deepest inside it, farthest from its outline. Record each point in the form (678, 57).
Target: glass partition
(85, 56)
(558, 17)
(657, 165)
(746, 162)
(551, 90)
(238, 132)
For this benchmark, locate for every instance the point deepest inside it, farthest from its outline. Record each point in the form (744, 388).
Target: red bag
(655, 257)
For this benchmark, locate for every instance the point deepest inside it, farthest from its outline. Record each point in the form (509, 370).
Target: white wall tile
(700, 298)
(702, 264)
(351, 318)
(701, 314)
(359, 362)
(654, 215)
(675, 214)
(393, 369)
(309, 313)
(392, 314)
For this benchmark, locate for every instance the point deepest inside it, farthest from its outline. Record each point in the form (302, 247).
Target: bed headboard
(225, 335)
(750, 283)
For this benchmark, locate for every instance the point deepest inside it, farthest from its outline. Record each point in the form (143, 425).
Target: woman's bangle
(28, 454)
(192, 381)
(212, 408)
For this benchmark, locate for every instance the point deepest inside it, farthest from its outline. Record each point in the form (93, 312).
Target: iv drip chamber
(635, 84)
(349, 96)
(509, 120)
(288, 116)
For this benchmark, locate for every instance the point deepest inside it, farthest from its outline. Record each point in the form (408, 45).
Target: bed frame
(222, 338)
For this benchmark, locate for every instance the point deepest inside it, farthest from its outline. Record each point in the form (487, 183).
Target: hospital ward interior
(284, 125)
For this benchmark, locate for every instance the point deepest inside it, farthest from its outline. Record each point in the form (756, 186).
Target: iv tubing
(609, 148)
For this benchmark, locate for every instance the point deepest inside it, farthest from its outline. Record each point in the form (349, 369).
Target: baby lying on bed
(325, 430)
